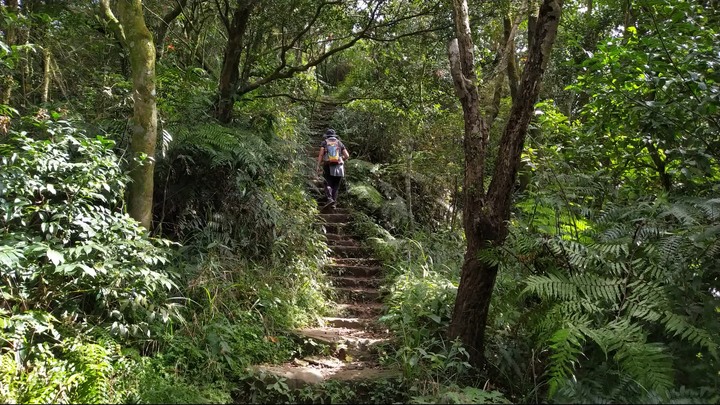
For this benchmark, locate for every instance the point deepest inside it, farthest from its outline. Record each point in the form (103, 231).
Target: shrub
(70, 258)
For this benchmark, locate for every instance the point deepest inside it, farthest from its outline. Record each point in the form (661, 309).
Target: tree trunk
(141, 50)
(230, 72)
(485, 215)
(511, 69)
(47, 76)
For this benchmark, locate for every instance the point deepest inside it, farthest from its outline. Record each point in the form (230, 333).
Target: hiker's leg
(328, 183)
(335, 187)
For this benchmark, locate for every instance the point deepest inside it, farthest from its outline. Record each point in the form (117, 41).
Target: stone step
(347, 250)
(347, 323)
(353, 339)
(297, 377)
(335, 217)
(357, 261)
(341, 240)
(352, 270)
(356, 282)
(357, 294)
(366, 310)
(326, 208)
(332, 243)
(336, 227)
(340, 237)
(339, 210)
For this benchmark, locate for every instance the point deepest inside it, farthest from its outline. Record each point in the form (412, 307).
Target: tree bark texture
(486, 214)
(141, 50)
(511, 69)
(231, 60)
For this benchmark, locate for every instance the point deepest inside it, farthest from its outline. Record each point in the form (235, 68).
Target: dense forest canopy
(539, 179)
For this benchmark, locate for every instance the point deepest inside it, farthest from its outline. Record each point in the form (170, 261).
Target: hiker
(332, 156)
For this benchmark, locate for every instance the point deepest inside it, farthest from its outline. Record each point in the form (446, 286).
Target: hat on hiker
(329, 133)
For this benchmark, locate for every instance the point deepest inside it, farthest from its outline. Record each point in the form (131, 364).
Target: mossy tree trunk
(486, 213)
(141, 51)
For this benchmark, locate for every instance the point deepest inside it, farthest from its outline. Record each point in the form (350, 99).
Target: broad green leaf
(55, 257)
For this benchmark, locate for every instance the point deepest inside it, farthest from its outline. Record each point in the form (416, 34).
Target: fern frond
(617, 333)
(683, 395)
(578, 255)
(684, 213)
(566, 344)
(614, 233)
(551, 286)
(669, 246)
(710, 208)
(491, 257)
(678, 325)
(226, 146)
(649, 364)
(647, 294)
(597, 288)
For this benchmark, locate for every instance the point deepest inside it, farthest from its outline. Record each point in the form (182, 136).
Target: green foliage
(239, 313)
(467, 395)
(238, 187)
(372, 195)
(658, 114)
(71, 371)
(67, 247)
(631, 291)
(421, 286)
(367, 195)
(157, 383)
(419, 311)
(262, 389)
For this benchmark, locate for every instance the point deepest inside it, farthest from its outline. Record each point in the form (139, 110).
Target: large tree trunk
(230, 72)
(486, 215)
(141, 50)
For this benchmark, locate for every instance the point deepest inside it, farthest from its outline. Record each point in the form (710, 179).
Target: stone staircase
(352, 332)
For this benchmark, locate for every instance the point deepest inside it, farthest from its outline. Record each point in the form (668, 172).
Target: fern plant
(641, 279)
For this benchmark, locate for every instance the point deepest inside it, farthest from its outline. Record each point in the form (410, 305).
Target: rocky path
(352, 332)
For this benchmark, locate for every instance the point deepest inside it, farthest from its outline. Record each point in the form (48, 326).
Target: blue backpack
(332, 152)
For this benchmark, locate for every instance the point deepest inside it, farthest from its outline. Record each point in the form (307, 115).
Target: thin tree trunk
(47, 76)
(25, 73)
(230, 72)
(408, 190)
(141, 50)
(485, 216)
(57, 76)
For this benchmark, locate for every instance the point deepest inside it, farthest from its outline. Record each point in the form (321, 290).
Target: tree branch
(285, 72)
(106, 15)
(311, 100)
